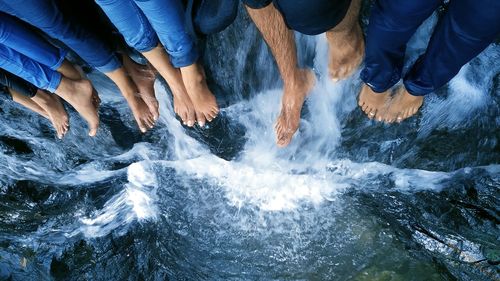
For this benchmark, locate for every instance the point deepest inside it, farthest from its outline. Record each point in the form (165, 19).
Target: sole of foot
(56, 113)
(144, 78)
(204, 102)
(78, 93)
(374, 104)
(346, 52)
(291, 106)
(402, 106)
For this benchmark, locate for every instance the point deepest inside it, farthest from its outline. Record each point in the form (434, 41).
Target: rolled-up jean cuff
(368, 80)
(415, 90)
(62, 57)
(151, 43)
(112, 65)
(185, 58)
(376, 88)
(55, 80)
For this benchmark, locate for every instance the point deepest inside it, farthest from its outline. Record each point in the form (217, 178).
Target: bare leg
(140, 110)
(297, 82)
(182, 103)
(402, 106)
(346, 43)
(374, 104)
(78, 93)
(144, 78)
(204, 101)
(28, 103)
(54, 109)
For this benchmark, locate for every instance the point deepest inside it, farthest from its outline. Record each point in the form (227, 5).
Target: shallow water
(349, 199)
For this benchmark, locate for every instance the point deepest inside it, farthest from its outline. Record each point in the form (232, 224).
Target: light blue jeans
(28, 55)
(144, 22)
(45, 15)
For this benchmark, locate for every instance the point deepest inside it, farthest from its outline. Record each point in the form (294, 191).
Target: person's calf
(346, 44)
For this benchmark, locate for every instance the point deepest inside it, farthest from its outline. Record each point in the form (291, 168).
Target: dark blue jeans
(466, 29)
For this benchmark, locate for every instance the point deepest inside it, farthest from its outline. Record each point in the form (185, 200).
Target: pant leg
(17, 84)
(392, 23)
(167, 19)
(15, 35)
(467, 28)
(45, 15)
(131, 22)
(37, 74)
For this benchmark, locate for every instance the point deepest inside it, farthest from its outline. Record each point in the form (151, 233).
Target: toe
(200, 118)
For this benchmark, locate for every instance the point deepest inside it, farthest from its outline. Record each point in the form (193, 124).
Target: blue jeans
(28, 55)
(17, 84)
(144, 23)
(14, 34)
(45, 15)
(30, 70)
(465, 30)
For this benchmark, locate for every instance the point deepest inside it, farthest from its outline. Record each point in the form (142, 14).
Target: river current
(349, 199)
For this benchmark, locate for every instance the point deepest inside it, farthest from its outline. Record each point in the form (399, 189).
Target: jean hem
(54, 82)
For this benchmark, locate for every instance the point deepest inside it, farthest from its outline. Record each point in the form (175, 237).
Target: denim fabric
(466, 29)
(32, 71)
(142, 21)
(45, 15)
(17, 84)
(15, 35)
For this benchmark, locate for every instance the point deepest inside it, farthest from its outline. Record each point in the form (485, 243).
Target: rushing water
(349, 199)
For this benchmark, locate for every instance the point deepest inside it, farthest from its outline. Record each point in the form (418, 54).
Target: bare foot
(144, 78)
(373, 104)
(205, 104)
(140, 110)
(291, 106)
(56, 113)
(74, 72)
(346, 44)
(184, 108)
(402, 106)
(78, 93)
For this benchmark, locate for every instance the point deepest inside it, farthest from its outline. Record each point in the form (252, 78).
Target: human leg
(167, 19)
(346, 44)
(297, 82)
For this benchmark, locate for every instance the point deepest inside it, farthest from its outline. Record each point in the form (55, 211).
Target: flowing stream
(349, 199)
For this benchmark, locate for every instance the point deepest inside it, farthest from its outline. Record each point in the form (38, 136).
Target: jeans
(28, 55)
(144, 23)
(45, 15)
(30, 70)
(465, 30)
(17, 84)
(14, 34)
